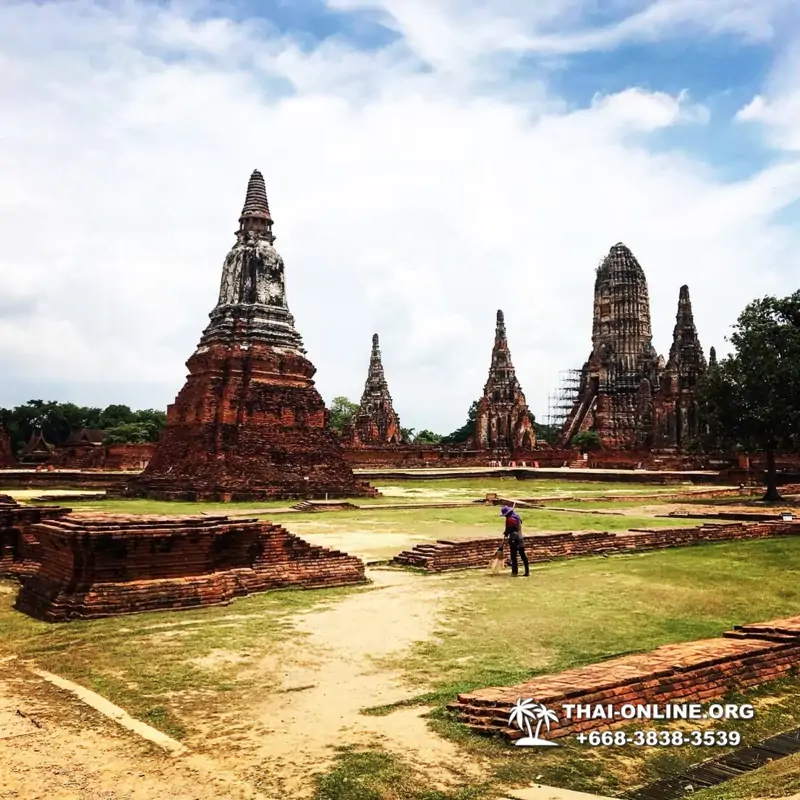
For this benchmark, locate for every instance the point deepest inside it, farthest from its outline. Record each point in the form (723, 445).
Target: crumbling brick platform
(698, 671)
(446, 555)
(104, 565)
(19, 548)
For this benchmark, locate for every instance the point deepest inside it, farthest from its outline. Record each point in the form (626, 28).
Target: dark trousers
(514, 565)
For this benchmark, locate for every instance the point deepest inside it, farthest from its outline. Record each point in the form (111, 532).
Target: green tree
(466, 431)
(342, 412)
(407, 434)
(427, 437)
(751, 399)
(586, 441)
(130, 433)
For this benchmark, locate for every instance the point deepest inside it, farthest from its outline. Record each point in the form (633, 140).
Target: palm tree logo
(521, 715)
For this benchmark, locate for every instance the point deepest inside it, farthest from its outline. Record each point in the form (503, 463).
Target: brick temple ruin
(627, 393)
(684, 672)
(375, 421)
(503, 422)
(99, 565)
(249, 423)
(19, 548)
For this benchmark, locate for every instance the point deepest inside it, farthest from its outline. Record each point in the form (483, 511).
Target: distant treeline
(57, 421)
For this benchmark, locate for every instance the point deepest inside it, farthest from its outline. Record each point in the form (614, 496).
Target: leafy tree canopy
(751, 399)
(427, 437)
(342, 412)
(586, 440)
(465, 431)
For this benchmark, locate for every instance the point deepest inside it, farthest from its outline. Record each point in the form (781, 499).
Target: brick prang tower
(627, 394)
(503, 421)
(676, 412)
(249, 423)
(376, 421)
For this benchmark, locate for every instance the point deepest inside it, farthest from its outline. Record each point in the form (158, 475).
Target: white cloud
(778, 109)
(452, 33)
(408, 204)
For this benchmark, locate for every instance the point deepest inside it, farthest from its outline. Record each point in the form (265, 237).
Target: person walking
(513, 532)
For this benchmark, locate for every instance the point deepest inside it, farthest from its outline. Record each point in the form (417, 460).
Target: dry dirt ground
(64, 749)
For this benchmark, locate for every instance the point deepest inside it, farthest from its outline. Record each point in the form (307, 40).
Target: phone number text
(660, 738)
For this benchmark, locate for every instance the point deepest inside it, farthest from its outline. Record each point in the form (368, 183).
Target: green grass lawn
(499, 632)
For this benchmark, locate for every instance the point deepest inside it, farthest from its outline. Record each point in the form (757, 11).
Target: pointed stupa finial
(255, 215)
(712, 357)
(684, 293)
(500, 331)
(375, 343)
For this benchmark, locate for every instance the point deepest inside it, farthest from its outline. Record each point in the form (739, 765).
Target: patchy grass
(777, 779)
(501, 632)
(374, 774)
(164, 668)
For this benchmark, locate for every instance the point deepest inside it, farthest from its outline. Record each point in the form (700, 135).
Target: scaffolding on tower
(561, 401)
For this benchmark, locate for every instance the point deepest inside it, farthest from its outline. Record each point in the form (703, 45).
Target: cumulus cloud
(409, 201)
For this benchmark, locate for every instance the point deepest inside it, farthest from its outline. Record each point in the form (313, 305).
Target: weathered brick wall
(688, 672)
(111, 457)
(411, 455)
(473, 553)
(19, 548)
(248, 425)
(104, 565)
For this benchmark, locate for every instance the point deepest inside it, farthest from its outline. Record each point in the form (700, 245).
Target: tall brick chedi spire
(627, 394)
(248, 423)
(503, 421)
(376, 421)
(678, 415)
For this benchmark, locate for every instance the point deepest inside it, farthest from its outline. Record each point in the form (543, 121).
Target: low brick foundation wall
(19, 548)
(104, 565)
(689, 672)
(474, 553)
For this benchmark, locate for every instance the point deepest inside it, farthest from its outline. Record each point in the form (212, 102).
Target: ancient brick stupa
(628, 395)
(617, 382)
(503, 421)
(676, 410)
(249, 424)
(375, 421)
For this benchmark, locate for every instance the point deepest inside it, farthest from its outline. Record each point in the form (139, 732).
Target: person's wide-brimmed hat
(505, 511)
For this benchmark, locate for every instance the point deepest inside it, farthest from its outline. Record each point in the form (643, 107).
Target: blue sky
(428, 161)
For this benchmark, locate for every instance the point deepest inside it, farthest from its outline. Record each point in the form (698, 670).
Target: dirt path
(61, 749)
(329, 677)
(270, 748)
